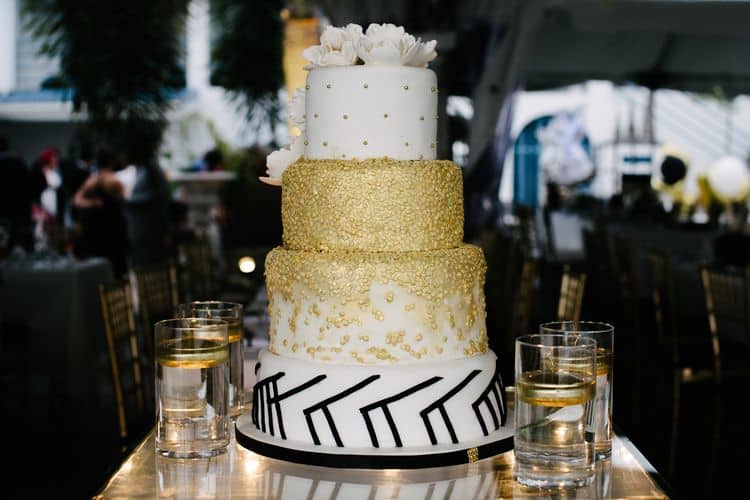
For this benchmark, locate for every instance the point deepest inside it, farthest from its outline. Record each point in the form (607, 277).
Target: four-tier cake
(378, 352)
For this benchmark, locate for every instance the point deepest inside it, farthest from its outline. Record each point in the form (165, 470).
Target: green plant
(246, 55)
(122, 63)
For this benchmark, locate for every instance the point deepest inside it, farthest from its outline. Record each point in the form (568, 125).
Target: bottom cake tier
(387, 410)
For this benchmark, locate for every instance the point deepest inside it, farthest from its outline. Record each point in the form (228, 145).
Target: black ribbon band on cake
(375, 461)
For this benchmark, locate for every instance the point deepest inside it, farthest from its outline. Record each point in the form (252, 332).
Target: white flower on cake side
(278, 161)
(338, 47)
(388, 44)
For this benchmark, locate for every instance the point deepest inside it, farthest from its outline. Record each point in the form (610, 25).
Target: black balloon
(673, 170)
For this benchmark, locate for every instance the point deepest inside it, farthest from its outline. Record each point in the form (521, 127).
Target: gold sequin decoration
(472, 454)
(376, 205)
(419, 337)
(348, 277)
(364, 338)
(382, 354)
(389, 297)
(344, 340)
(477, 347)
(395, 338)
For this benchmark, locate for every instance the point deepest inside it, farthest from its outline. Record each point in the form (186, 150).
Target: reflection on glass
(192, 478)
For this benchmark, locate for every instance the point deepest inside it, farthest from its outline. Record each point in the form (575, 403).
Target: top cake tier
(357, 112)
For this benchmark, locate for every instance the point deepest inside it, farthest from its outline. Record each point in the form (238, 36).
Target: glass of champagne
(604, 334)
(232, 313)
(555, 384)
(192, 380)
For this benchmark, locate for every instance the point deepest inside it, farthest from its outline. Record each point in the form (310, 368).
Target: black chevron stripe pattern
(267, 408)
(383, 405)
(497, 389)
(267, 402)
(439, 405)
(323, 407)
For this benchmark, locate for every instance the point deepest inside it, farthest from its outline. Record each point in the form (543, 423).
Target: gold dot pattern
(375, 205)
(437, 305)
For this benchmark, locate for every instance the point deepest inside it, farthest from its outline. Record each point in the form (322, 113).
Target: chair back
(124, 354)
(157, 291)
(663, 299)
(625, 259)
(572, 286)
(525, 297)
(727, 297)
(196, 270)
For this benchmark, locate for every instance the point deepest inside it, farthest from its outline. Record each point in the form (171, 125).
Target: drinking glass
(232, 313)
(192, 380)
(603, 333)
(555, 384)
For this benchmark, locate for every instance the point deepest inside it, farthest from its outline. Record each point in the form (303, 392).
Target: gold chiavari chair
(156, 287)
(685, 369)
(625, 259)
(125, 359)
(572, 286)
(196, 270)
(727, 296)
(525, 297)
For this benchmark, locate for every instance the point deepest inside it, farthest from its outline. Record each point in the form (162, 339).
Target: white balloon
(729, 178)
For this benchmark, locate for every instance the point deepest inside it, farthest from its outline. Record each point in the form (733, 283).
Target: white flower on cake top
(338, 47)
(390, 45)
(412, 124)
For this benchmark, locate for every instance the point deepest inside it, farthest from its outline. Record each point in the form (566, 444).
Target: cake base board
(497, 442)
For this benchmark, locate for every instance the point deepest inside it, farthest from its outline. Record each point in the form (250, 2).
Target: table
(54, 302)
(240, 473)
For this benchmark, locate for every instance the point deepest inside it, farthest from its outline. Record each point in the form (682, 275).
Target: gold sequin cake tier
(377, 307)
(373, 205)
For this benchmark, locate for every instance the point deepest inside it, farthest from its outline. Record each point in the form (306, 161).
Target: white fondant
(297, 107)
(393, 379)
(371, 112)
(447, 337)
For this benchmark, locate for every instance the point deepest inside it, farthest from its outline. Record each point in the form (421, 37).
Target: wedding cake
(378, 351)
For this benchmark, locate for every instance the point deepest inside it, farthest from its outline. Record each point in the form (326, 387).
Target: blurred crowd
(91, 205)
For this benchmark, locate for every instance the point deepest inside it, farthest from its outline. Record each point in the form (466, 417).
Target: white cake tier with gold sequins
(375, 205)
(371, 112)
(377, 307)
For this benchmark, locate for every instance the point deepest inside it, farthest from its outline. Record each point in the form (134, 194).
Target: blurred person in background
(16, 198)
(98, 206)
(49, 200)
(147, 209)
